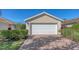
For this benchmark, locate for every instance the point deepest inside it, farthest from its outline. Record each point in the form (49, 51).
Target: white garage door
(46, 29)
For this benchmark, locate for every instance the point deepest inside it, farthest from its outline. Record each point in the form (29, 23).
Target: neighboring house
(43, 23)
(6, 24)
(69, 23)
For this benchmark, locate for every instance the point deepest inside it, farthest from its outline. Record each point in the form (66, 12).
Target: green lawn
(10, 45)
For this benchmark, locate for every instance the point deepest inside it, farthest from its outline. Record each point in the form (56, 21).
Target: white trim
(44, 13)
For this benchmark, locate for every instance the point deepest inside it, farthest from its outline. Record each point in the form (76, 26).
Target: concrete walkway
(49, 43)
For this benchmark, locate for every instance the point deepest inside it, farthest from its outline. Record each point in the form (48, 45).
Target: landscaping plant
(71, 33)
(12, 39)
(14, 34)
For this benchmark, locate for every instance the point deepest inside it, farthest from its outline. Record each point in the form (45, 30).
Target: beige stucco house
(6, 24)
(43, 24)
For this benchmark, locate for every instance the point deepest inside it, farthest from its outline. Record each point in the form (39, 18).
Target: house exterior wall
(4, 26)
(28, 28)
(43, 19)
(13, 27)
(69, 25)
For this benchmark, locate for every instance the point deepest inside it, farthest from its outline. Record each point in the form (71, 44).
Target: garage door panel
(44, 29)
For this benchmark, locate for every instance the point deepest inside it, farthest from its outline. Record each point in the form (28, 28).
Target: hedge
(14, 34)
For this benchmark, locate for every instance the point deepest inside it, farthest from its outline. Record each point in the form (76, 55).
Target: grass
(12, 40)
(71, 33)
(11, 45)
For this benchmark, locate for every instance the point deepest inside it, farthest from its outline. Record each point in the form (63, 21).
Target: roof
(3, 20)
(76, 20)
(28, 19)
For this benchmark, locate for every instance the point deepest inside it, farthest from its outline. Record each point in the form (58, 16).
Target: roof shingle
(3, 20)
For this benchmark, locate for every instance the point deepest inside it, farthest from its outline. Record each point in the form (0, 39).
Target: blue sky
(18, 15)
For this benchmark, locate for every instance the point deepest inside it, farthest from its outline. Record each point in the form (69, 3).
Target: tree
(23, 26)
(20, 26)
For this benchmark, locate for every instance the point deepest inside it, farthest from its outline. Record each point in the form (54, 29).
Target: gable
(44, 19)
(40, 15)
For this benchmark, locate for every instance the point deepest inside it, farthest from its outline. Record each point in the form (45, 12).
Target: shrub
(66, 32)
(14, 34)
(23, 26)
(71, 34)
(5, 34)
(75, 26)
(23, 34)
(76, 35)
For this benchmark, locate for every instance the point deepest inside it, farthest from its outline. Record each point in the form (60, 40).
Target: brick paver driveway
(48, 42)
